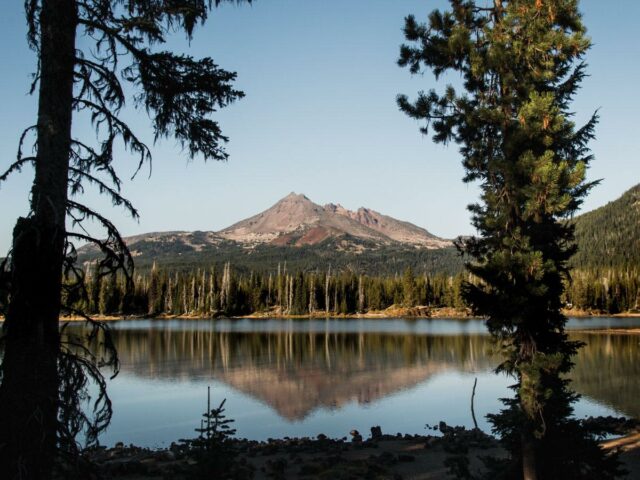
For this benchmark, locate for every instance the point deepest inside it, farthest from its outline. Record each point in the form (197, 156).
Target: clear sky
(320, 118)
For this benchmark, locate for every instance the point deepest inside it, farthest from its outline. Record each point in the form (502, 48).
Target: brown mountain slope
(296, 220)
(332, 232)
(403, 232)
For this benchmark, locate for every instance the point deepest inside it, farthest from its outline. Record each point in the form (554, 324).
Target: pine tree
(279, 288)
(361, 296)
(408, 288)
(521, 62)
(428, 291)
(213, 449)
(211, 295)
(154, 296)
(225, 288)
(119, 40)
(327, 298)
(93, 285)
(192, 295)
(312, 294)
(109, 298)
(168, 300)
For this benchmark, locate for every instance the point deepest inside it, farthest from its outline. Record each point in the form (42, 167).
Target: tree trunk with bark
(529, 471)
(527, 439)
(29, 390)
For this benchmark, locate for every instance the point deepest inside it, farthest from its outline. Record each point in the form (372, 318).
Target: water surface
(305, 377)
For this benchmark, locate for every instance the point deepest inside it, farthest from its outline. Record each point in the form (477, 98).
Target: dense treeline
(608, 291)
(229, 292)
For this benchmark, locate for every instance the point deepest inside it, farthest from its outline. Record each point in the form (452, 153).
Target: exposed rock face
(296, 220)
(290, 214)
(403, 232)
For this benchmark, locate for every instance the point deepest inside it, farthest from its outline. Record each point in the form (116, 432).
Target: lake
(305, 377)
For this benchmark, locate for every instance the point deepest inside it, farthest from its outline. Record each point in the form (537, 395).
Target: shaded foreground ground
(387, 457)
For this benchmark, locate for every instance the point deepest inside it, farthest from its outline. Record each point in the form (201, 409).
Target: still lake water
(305, 377)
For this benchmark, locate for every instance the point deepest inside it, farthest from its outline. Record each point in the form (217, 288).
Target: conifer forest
(226, 292)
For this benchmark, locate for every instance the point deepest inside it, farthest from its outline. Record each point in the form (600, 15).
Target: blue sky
(320, 118)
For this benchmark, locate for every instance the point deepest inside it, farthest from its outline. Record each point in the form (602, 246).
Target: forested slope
(609, 237)
(345, 254)
(606, 269)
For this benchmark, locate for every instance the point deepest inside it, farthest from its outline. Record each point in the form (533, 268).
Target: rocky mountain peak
(296, 220)
(295, 197)
(336, 208)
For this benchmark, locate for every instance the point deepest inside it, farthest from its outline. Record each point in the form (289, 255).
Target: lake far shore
(392, 312)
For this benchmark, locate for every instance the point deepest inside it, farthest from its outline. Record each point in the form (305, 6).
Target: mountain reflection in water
(301, 368)
(295, 373)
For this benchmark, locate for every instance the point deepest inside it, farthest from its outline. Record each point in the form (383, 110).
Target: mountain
(304, 236)
(296, 220)
(609, 236)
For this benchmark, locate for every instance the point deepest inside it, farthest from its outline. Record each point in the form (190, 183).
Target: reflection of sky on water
(435, 326)
(399, 374)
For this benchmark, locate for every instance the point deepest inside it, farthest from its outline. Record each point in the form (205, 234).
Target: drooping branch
(21, 160)
(81, 358)
(77, 178)
(16, 167)
(101, 114)
(98, 81)
(86, 158)
(180, 93)
(116, 254)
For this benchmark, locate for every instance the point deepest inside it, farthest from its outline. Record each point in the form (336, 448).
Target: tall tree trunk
(29, 390)
(529, 471)
(527, 440)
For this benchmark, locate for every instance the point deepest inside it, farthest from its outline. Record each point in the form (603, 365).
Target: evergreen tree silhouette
(42, 378)
(521, 63)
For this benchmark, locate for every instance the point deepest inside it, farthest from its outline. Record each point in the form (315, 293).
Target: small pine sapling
(213, 448)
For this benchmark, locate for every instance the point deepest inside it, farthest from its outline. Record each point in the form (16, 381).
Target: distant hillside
(609, 236)
(190, 251)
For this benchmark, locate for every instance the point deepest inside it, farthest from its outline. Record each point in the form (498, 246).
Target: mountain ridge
(308, 236)
(295, 220)
(303, 234)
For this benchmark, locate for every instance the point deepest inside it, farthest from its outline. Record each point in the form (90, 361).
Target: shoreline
(393, 312)
(390, 313)
(610, 331)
